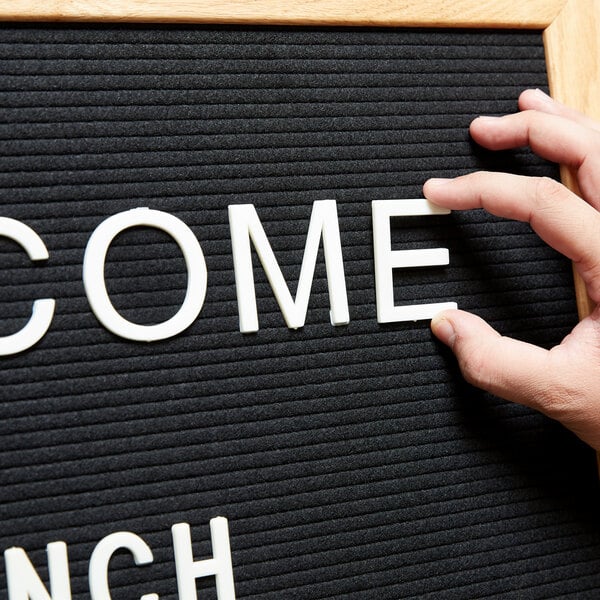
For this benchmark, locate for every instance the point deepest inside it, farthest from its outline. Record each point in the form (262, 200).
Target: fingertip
(434, 185)
(524, 98)
(436, 182)
(451, 324)
(443, 328)
(488, 130)
(483, 121)
(536, 99)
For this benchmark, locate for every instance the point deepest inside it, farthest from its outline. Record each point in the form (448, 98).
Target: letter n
(25, 584)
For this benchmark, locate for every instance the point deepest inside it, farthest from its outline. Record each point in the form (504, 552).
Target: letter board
(350, 461)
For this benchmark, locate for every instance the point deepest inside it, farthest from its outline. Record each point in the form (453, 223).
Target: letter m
(245, 226)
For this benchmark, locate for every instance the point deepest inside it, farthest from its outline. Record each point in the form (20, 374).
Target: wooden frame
(533, 14)
(571, 31)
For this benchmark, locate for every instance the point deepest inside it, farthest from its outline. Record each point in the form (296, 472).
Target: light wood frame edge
(573, 63)
(532, 14)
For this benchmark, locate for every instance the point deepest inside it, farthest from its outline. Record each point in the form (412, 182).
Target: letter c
(106, 547)
(43, 310)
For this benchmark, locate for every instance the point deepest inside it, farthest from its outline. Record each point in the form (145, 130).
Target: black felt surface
(351, 462)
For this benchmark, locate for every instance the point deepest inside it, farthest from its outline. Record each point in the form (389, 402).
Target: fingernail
(543, 96)
(438, 181)
(443, 329)
(488, 119)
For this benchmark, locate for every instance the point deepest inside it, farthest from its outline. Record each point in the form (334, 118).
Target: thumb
(505, 367)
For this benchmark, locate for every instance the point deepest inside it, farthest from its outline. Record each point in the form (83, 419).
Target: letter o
(95, 285)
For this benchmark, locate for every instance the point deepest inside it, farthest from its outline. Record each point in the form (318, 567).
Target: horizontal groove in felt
(348, 460)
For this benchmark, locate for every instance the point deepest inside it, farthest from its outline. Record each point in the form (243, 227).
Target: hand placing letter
(564, 382)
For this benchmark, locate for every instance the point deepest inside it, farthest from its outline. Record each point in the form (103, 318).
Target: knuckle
(590, 274)
(560, 396)
(587, 259)
(547, 191)
(479, 181)
(560, 402)
(530, 118)
(478, 184)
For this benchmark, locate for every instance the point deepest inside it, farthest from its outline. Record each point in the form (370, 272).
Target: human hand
(564, 382)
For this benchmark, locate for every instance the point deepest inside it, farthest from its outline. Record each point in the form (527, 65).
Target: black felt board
(352, 461)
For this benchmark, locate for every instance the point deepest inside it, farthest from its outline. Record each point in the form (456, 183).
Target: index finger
(559, 217)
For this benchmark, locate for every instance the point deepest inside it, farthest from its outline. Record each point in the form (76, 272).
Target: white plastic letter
(245, 226)
(43, 310)
(95, 285)
(106, 547)
(189, 570)
(24, 583)
(387, 259)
